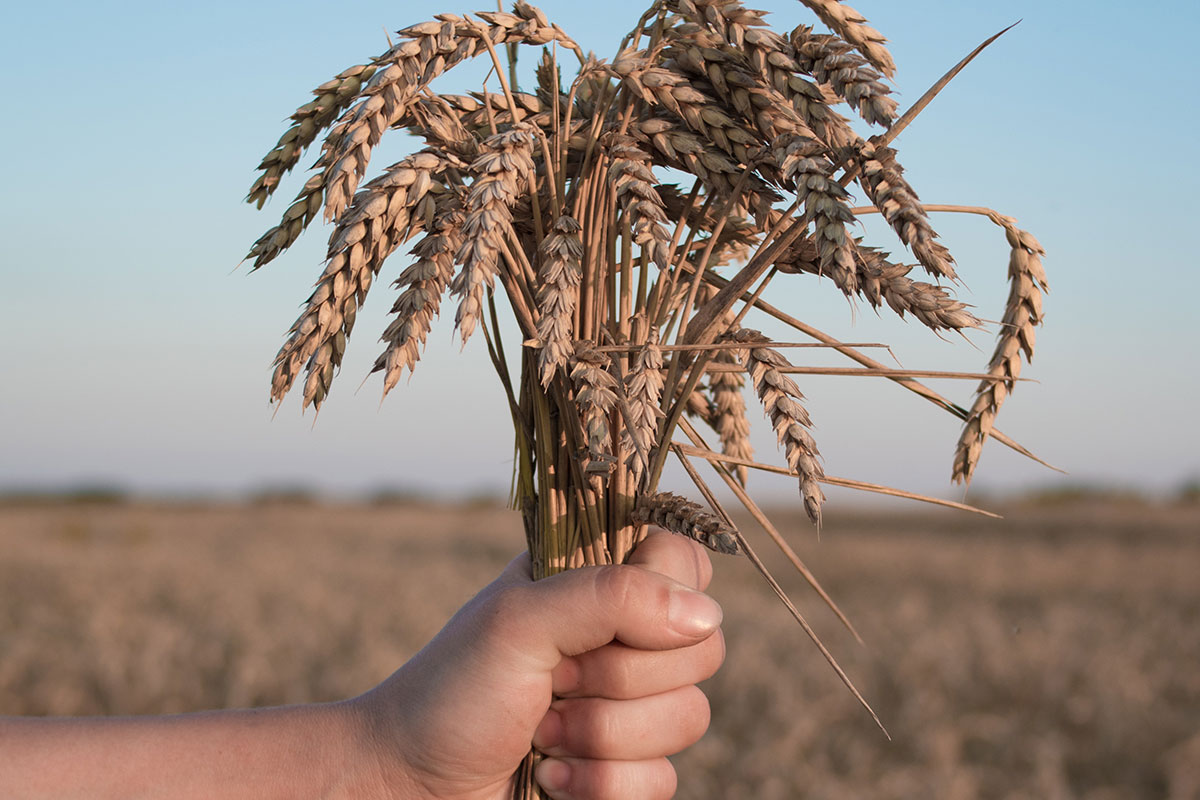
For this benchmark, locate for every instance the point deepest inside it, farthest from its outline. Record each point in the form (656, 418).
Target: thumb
(583, 609)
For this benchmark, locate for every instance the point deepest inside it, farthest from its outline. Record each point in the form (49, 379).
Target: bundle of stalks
(614, 277)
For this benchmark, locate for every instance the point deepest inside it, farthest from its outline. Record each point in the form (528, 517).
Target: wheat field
(1052, 655)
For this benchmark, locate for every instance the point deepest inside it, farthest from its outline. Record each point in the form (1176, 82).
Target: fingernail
(553, 775)
(693, 613)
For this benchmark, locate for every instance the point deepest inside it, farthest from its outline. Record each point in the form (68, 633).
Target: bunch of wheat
(629, 329)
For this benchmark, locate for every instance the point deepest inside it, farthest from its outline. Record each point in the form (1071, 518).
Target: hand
(597, 667)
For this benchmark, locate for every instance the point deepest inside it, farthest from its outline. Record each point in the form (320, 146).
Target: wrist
(371, 763)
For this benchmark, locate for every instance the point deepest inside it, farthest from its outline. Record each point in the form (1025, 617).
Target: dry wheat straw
(680, 515)
(556, 194)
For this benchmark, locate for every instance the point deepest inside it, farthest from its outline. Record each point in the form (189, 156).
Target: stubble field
(1052, 655)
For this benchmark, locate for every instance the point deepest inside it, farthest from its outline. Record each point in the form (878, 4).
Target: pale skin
(597, 667)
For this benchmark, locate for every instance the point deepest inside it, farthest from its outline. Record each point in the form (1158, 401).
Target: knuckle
(652, 780)
(620, 586)
(714, 654)
(700, 714)
(503, 608)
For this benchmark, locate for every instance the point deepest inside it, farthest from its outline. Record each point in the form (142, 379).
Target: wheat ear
(332, 98)
(680, 515)
(596, 396)
(644, 389)
(883, 181)
(781, 400)
(386, 212)
(428, 49)
(504, 169)
(852, 26)
(558, 292)
(829, 59)
(424, 282)
(881, 281)
(1022, 314)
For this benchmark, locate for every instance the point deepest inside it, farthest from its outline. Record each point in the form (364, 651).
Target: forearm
(295, 752)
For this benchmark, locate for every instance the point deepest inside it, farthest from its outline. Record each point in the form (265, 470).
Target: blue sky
(135, 354)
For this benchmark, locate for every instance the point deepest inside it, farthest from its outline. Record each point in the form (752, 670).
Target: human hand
(597, 667)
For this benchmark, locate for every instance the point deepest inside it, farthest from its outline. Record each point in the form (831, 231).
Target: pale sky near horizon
(136, 356)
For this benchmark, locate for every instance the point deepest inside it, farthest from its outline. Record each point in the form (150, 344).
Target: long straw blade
(883, 372)
(781, 594)
(908, 116)
(773, 532)
(908, 383)
(846, 483)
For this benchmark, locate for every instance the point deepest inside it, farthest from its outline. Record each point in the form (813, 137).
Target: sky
(137, 355)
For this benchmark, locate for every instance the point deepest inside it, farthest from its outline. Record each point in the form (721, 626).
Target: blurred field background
(1052, 655)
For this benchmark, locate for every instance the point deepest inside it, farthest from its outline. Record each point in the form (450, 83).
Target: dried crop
(628, 286)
